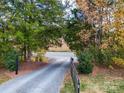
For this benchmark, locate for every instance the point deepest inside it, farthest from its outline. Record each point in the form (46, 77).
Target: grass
(67, 87)
(97, 84)
(63, 48)
(103, 84)
(3, 78)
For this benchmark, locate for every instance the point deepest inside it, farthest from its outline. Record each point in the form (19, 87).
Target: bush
(85, 62)
(1, 62)
(10, 60)
(102, 56)
(118, 61)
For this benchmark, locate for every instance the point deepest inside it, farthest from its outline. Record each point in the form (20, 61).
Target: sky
(72, 2)
(72, 5)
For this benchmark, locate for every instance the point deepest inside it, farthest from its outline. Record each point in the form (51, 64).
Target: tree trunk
(25, 52)
(99, 30)
(29, 53)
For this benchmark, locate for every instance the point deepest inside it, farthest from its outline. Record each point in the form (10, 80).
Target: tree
(99, 14)
(78, 32)
(105, 16)
(33, 24)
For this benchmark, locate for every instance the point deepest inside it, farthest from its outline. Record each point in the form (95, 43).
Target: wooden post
(17, 65)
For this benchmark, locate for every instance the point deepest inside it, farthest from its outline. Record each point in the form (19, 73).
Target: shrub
(10, 60)
(102, 56)
(1, 62)
(85, 62)
(118, 61)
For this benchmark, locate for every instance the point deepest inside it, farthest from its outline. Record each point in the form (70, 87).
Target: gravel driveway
(45, 80)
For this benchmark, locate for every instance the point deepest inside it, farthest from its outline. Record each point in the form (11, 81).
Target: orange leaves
(100, 3)
(104, 46)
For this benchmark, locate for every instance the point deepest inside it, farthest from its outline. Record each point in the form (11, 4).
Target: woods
(91, 32)
(98, 32)
(94, 28)
(27, 26)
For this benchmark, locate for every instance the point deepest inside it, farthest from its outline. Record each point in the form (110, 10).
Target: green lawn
(97, 84)
(67, 87)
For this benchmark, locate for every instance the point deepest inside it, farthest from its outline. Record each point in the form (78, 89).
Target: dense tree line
(29, 25)
(94, 30)
(99, 34)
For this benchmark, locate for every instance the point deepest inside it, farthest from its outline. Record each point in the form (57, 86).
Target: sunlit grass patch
(96, 84)
(102, 84)
(3, 78)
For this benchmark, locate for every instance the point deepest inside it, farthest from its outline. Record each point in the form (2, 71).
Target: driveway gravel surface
(46, 80)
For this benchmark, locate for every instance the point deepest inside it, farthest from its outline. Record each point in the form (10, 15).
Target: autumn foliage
(107, 19)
